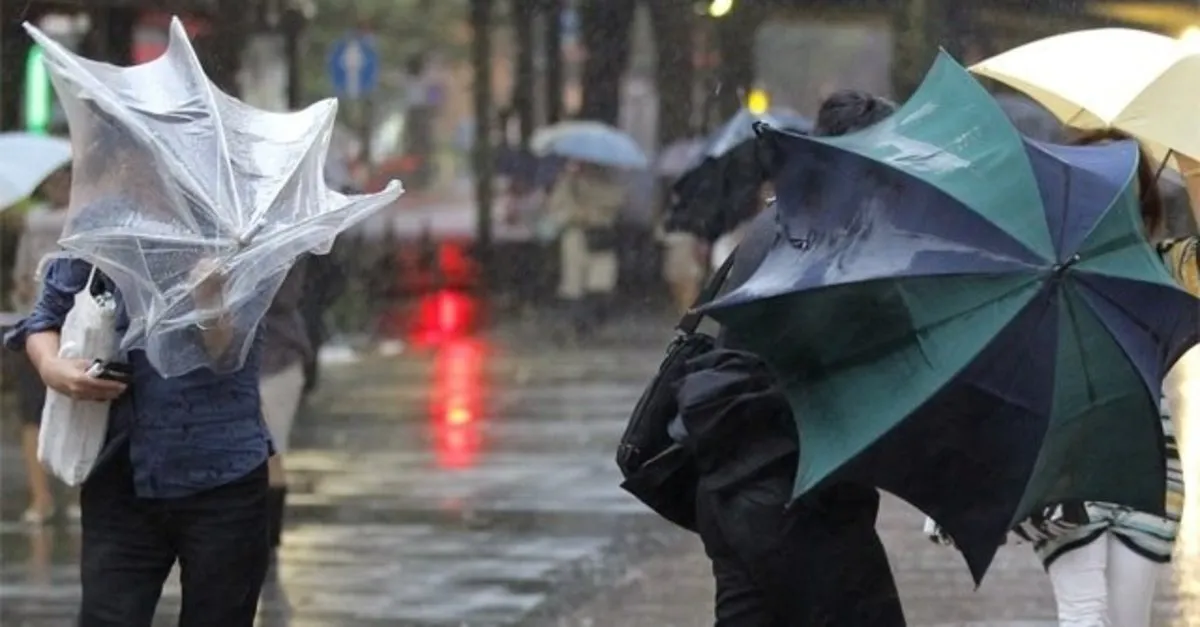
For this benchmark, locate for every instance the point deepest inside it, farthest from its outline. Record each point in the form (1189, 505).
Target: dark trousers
(808, 566)
(130, 544)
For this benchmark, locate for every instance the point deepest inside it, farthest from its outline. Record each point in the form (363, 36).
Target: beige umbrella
(1139, 82)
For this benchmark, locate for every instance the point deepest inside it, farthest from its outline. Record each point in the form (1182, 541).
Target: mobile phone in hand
(111, 371)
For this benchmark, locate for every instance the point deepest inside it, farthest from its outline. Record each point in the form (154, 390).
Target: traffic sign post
(354, 73)
(354, 66)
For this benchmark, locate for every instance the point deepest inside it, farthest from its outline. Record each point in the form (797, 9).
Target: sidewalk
(675, 589)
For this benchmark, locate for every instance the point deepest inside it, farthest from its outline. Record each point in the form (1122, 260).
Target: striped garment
(1063, 527)
(1147, 534)
(1150, 535)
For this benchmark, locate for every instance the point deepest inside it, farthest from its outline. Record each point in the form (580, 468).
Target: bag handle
(691, 320)
(90, 287)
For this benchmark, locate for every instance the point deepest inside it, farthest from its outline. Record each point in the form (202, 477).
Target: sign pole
(366, 112)
(481, 60)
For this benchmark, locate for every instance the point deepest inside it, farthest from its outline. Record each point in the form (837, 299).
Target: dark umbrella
(963, 317)
(714, 197)
(719, 189)
(739, 130)
(1031, 119)
(1037, 122)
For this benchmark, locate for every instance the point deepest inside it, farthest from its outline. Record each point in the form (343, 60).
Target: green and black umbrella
(964, 317)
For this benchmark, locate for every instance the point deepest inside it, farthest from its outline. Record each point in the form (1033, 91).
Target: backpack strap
(691, 320)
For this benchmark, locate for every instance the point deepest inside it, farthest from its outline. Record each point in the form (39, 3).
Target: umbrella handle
(244, 239)
(1158, 173)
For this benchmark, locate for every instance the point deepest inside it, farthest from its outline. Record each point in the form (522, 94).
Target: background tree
(605, 26)
(674, 27)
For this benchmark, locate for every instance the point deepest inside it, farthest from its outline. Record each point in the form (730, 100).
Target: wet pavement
(474, 485)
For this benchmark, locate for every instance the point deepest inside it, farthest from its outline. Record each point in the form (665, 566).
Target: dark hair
(850, 110)
(1150, 198)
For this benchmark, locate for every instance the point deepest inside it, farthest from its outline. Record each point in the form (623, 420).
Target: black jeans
(808, 566)
(130, 544)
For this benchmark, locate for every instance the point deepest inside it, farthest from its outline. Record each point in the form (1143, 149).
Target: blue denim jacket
(185, 434)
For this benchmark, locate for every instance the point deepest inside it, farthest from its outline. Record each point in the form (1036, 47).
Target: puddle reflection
(456, 402)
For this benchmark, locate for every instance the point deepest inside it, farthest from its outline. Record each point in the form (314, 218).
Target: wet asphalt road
(474, 485)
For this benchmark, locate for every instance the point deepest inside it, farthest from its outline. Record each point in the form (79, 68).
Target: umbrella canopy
(717, 195)
(25, 161)
(1135, 81)
(1031, 119)
(718, 188)
(965, 318)
(740, 129)
(676, 158)
(175, 181)
(593, 142)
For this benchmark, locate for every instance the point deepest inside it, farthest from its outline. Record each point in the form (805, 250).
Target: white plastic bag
(73, 431)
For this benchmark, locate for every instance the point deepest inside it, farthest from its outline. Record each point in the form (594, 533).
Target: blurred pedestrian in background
(525, 202)
(325, 281)
(44, 224)
(286, 350)
(684, 258)
(586, 202)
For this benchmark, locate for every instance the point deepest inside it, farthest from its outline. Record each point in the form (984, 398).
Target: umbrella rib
(1073, 316)
(296, 164)
(1062, 232)
(883, 348)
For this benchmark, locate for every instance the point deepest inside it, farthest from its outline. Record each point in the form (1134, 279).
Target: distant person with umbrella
(44, 224)
(585, 204)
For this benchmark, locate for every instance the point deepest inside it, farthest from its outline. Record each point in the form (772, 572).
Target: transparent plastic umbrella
(175, 182)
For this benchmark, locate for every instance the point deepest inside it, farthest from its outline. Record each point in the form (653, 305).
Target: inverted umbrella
(716, 196)
(967, 319)
(593, 142)
(739, 130)
(676, 158)
(176, 181)
(1135, 81)
(719, 188)
(25, 161)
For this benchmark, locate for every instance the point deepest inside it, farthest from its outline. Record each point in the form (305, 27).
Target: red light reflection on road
(456, 402)
(443, 316)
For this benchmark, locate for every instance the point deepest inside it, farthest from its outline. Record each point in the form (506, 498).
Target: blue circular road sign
(354, 66)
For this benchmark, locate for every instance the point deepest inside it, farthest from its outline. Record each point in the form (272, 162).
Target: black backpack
(657, 470)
